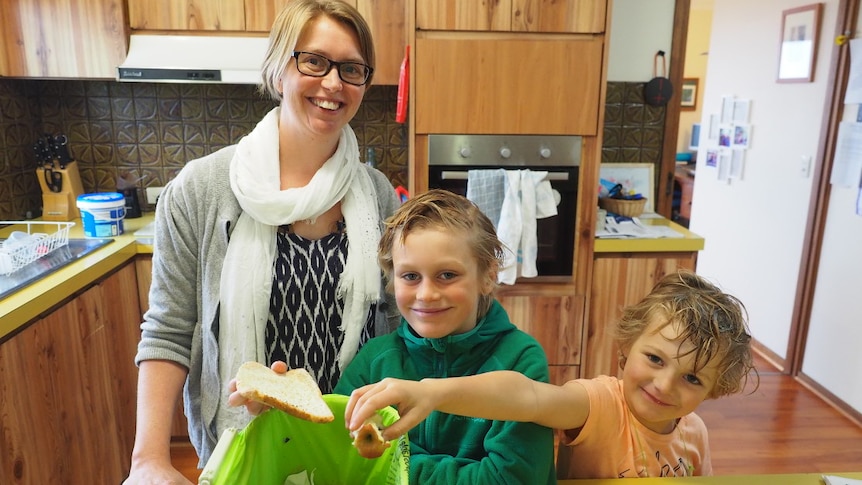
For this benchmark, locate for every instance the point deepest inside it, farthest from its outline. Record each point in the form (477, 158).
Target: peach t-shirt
(613, 444)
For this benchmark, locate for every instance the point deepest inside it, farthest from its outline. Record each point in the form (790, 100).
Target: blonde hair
(714, 321)
(289, 26)
(441, 209)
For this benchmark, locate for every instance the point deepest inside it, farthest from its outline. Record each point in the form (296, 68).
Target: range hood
(198, 59)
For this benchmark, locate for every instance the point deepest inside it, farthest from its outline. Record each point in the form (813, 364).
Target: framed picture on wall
(798, 44)
(688, 94)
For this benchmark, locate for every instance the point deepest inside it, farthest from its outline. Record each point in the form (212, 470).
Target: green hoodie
(449, 449)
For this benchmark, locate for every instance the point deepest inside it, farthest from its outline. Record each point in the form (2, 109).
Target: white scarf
(246, 279)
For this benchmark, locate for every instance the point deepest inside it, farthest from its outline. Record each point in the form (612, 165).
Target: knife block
(62, 205)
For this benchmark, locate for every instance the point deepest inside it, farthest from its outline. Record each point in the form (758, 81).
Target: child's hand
(413, 400)
(254, 408)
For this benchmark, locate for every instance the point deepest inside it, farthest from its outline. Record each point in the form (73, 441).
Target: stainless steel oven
(450, 157)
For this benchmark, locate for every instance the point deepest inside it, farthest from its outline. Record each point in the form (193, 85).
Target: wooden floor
(782, 427)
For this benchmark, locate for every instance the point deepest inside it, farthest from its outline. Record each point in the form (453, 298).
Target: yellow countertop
(42, 296)
(688, 243)
(777, 479)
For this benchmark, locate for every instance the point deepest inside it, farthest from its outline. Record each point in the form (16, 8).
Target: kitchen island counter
(39, 298)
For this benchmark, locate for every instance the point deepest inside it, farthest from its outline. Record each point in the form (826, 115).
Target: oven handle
(461, 175)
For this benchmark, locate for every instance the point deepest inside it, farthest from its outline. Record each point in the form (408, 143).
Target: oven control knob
(545, 152)
(465, 152)
(505, 152)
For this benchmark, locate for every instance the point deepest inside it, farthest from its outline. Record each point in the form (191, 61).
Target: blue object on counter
(607, 185)
(102, 213)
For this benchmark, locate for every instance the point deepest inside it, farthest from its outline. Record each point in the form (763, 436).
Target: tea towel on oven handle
(529, 196)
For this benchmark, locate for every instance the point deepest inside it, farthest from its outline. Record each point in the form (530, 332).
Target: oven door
(555, 234)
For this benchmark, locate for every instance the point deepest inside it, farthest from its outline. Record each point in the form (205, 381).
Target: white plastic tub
(102, 213)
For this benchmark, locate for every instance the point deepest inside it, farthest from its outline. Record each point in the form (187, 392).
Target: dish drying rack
(54, 236)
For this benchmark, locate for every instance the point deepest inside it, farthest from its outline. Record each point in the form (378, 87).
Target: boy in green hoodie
(441, 255)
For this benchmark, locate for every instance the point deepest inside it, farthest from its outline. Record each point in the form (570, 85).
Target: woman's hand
(414, 401)
(153, 473)
(254, 408)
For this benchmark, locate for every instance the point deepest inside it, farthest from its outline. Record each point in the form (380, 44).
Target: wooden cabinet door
(387, 20)
(618, 282)
(550, 313)
(62, 38)
(574, 16)
(464, 15)
(503, 84)
(68, 389)
(564, 16)
(187, 15)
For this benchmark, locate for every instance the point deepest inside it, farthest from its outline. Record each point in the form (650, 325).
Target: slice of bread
(294, 392)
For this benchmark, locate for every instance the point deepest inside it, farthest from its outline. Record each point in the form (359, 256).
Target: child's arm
(499, 395)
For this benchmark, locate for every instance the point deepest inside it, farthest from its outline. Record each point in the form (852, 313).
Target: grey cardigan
(194, 217)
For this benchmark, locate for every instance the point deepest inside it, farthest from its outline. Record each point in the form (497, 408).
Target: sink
(33, 272)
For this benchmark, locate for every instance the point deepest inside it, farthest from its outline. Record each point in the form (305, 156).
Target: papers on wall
(847, 165)
(854, 80)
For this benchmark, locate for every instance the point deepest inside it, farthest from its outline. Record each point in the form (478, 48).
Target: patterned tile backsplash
(148, 131)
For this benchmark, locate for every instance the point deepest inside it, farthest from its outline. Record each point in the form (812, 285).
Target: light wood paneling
(259, 15)
(463, 15)
(62, 38)
(549, 16)
(66, 390)
(547, 312)
(585, 16)
(386, 18)
(464, 85)
(227, 15)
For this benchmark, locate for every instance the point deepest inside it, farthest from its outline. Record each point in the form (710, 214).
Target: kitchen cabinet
(619, 280)
(67, 389)
(571, 16)
(551, 314)
(226, 15)
(386, 18)
(470, 83)
(144, 266)
(62, 38)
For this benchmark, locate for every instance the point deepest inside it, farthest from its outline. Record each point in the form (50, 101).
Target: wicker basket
(623, 207)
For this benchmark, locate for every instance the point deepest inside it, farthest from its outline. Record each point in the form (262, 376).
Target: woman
(266, 250)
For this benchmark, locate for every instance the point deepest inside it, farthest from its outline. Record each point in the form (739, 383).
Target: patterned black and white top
(304, 313)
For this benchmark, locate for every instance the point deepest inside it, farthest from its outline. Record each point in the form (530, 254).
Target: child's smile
(660, 382)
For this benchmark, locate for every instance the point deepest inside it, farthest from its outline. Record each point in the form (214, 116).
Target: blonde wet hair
(448, 211)
(289, 26)
(710, 319)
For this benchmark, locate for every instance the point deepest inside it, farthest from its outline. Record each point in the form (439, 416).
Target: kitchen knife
(61, 150)
(43, 153)
(54, 180)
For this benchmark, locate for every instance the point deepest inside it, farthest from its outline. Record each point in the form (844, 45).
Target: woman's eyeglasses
(316, 65)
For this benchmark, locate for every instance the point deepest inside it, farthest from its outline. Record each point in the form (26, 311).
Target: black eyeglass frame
(337, 65)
